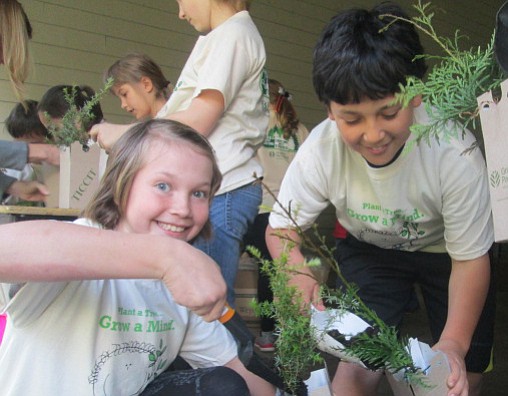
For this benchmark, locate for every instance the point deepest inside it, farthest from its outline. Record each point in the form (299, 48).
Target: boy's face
(197, 13)
(170, 194)
(377, 129)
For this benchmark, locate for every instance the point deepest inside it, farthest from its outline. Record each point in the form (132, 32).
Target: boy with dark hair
(420, 215)
(23, 123)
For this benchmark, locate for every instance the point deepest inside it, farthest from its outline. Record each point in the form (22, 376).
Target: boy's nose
(373, 133)
(181, 14)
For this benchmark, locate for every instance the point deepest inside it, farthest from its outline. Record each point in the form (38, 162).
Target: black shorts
(386, 281)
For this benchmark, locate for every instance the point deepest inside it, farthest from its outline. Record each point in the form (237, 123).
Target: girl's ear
(147, 84)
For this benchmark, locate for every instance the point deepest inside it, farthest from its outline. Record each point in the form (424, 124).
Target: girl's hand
(457, 380)
(28, 190)
(106, 134)
(197, 283)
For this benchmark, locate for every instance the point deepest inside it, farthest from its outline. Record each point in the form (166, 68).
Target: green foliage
(72, 126)
(452, 86)
(296, 345)
(380, 348)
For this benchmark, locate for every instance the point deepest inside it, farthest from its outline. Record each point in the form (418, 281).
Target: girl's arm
(257, 385)
(203, 112)
(46, 250)
(106, 134)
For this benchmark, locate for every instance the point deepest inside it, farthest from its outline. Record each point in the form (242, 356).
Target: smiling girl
(118, 327)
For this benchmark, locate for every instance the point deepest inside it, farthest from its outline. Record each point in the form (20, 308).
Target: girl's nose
(180, 205)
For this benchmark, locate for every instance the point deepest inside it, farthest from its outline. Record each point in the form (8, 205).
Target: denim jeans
(231, 214)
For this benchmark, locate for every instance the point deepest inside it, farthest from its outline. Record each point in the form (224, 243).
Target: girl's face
(197, 13)
(377, 129)
(137, 98)
(170, 194)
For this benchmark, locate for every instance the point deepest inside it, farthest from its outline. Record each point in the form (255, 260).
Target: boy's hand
(198, 285)
(457, 380)
(310, 289)
(48, 153)
(28, 190)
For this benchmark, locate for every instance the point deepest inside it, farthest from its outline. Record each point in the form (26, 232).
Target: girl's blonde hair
(280, 99)
(15, 31)
(134, 66)
(127, 157)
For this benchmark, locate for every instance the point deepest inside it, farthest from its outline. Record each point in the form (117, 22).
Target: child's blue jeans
(231, 214)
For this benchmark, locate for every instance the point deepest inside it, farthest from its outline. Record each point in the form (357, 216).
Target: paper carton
(75, 181)
(494, 122)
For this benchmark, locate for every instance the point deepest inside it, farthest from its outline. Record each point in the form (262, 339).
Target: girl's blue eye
(163, 187)
(200, 194)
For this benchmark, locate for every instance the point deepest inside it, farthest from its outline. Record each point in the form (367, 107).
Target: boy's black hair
(54, 103)
(23, 121)
(354, 60)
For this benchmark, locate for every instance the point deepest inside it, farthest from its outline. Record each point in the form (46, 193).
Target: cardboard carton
(73, 184)
(494, 122)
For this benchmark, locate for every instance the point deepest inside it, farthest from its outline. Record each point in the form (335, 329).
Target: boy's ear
(330, 114)
(147, 84)
(416, 101)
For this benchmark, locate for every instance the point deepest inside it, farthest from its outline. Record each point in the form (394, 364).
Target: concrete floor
(495, 382)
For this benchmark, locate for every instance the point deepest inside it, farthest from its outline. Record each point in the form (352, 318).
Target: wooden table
(21, 213)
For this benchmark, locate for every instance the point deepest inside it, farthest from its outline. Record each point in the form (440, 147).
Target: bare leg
(353, 380)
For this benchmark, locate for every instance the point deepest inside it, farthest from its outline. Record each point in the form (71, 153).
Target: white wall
(75, 41)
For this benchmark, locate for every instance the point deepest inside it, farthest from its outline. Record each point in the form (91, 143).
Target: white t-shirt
(101, 337)
(275, 155)
(432, 198)
(231, 60)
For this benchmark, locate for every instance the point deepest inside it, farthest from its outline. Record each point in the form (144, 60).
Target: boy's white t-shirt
(229, 59)
(106, 337)
(432, 198)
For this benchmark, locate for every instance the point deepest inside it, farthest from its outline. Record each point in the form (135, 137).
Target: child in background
(285, 135)
(121, 331)
(222, 93)
(15, 32)
(54, 104)
(140, 85)
(417, 216)
(24, 125)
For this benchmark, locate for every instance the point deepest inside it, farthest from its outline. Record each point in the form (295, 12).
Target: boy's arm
(257, 385)
(47, 250)
(276, 241)
(203, 112)
(40, 152)
(468, 287)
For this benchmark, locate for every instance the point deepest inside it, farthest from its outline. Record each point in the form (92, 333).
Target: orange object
(227, 314)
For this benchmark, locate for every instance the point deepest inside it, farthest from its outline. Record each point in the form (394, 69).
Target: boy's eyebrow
(385, 107)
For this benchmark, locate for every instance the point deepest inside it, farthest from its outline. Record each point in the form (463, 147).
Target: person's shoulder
(239, 25)
(450, 136)
(325, 130)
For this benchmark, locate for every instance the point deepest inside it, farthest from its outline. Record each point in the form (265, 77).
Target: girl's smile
(170, 194)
